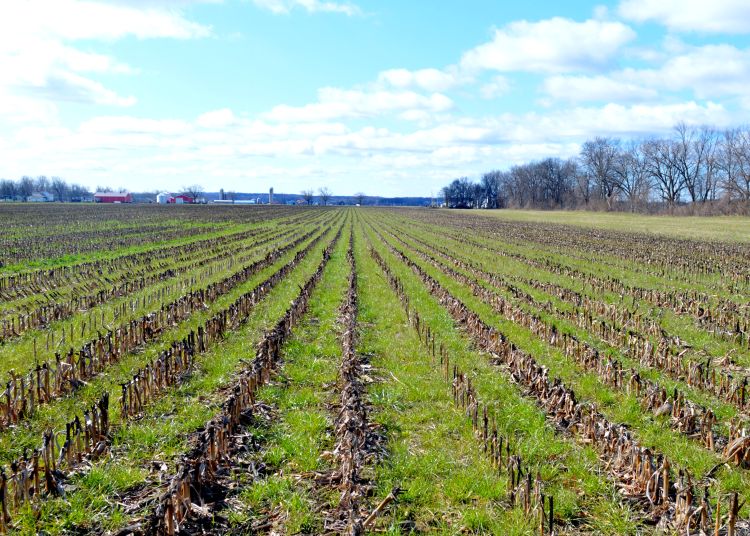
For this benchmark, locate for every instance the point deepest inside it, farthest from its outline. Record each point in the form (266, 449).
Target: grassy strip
(433, 454)
(17, 353)
(299, 441)
(683, 326)
(617, 407)
(12, 442)
(723, 410)
(723, 228)
(99, 498)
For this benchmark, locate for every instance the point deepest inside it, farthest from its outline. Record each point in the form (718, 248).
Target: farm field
(285, 370)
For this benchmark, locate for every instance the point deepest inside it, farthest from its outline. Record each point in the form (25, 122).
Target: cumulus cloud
(40, 58)
(715, 16)
(554, 45)
(425, 79)
(335, 103)
(284, 7)
(497, 87)
(709, 72)
(595, 88)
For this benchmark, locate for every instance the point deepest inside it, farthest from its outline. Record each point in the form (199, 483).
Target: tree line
(59, 189)
(697, 166)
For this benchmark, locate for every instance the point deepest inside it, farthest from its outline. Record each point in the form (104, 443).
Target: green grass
(433, 452)
(302, 394)
(723, 228)
(448, 484)
(164, 430)
(616, 406)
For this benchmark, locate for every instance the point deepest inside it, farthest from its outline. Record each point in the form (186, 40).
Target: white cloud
(39, 58)
(425, 79)
(595, 88)
(217, 119)
(710, 71)
(222, 149)
(551, 46)
(497, 87)
(335, 103)
(283, 7)
(711, 16)
(72, 20)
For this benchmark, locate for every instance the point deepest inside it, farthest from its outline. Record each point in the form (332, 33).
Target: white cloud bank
(553, 45)
(708, 16)
(284, 7)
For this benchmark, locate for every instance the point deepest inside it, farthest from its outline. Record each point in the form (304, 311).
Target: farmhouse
(113, 197)
(41, 197)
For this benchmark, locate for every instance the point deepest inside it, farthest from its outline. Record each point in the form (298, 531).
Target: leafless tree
(78, 192)
(660, 158)
(325, 195)
(8, 188)
(41, 183)
(194, 191)
(632, 173)
(598, 157)
(308, 196)
(359, 197)
(26, 187)
(693, 158)
(735, 164)
(584, 183)
(60, 189)
(491, 184)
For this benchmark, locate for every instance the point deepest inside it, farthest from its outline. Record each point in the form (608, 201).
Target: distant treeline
(53, 188)
(703, 168)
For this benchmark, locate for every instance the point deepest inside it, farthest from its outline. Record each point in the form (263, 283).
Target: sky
(388, 97)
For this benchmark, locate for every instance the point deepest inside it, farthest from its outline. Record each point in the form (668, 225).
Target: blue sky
(389, 97)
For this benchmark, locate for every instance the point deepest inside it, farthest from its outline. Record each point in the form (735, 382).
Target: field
(284, 370)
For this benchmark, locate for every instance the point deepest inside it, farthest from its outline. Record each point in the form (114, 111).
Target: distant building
(270, 196)
(113, 197)
(41, 197)
(182, 199)
(163, 198)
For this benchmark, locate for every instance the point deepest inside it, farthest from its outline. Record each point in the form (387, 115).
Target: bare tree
(26, 187)
(584, 185)
(735, 164)
(598, 158)
(231, 195)
(78, 192)
(325, 195)
(491, 183)
(194, 191)
(60, 189)
(632, 174)
(660, 158)
(308, 196)
(41, 183)
(359, 197)
(7, 188)
(693, 158)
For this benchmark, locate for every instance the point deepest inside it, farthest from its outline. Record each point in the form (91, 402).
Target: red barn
(113, 197)
(181, 199)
